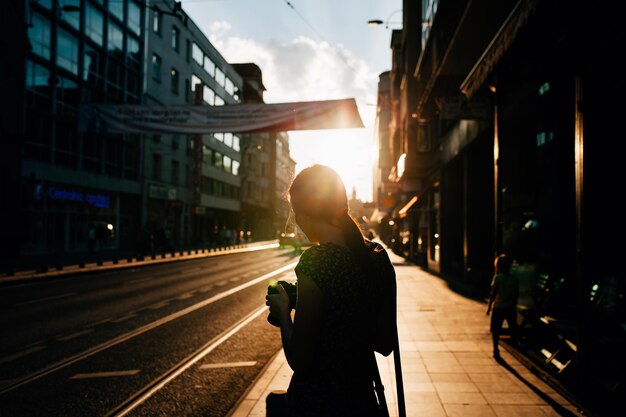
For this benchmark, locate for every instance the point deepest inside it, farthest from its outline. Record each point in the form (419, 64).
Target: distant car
(297, 240)
(286, 239)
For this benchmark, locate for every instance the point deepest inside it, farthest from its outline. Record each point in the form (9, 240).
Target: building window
(36, 76)
(175, 168)
(230, 87)
(175, 38)
(94, 24)
(208, 95)
(195, 82)
(219, 101)
(220, 77)
(156, 21)
(207, 155)
(71, 16)
(156, 67)
(174, 81)
(132, 52)
(67, 52)
(235, 167)
(39, 36)
(227, 164)
(217, 160)
(236, 143)
(228, 139)
(117, 9)
(156, 166)
(115, 38)
(134, 18)
(209, 66)
(197, 54)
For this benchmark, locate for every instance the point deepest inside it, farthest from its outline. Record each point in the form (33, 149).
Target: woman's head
(502, 264)
(318, 192)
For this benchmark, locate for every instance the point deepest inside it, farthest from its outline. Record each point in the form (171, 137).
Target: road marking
(41, 300)
(143, 329)
(124, 318)
(185, 295)
(22, 353)
(74, 335)
(106, 374)
(227, 365)
(158, 305)
(137, 399)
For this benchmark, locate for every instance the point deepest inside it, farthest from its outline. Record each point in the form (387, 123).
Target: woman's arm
(300, 336)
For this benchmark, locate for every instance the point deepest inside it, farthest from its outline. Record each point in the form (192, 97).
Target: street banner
(233, 118)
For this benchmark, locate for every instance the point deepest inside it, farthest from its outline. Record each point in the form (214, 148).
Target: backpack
(385, 300)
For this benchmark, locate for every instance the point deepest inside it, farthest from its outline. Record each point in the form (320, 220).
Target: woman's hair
(502, 264)
(318, 191)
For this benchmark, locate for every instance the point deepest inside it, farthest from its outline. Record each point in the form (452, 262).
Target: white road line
(22, 353)
(143, 329)
(227, 365)
(185, 295)
(74, 335)
(158, 305)
(134, 402)
(41, 300)
(106, 374)
(124, 318)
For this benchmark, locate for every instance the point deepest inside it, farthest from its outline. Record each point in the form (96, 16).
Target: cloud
(301, 69)
(304, 70)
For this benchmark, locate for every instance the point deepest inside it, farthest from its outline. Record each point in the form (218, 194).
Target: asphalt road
(178, 339)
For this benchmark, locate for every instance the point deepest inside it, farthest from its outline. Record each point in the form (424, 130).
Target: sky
(312, 50)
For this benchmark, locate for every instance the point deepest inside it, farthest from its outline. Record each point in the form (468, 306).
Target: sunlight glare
(350, 152)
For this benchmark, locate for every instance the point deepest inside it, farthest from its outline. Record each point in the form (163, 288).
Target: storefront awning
(233, 118)
(498, 46)
(404, 210)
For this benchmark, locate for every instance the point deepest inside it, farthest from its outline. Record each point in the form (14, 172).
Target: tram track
(62, 364)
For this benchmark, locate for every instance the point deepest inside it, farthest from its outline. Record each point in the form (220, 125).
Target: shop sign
(95, 200)
(161, 193)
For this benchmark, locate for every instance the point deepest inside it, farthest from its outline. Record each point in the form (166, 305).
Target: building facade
(73, 187)
(68, 195)
(191, 184)
(510, 109)
(267, 169)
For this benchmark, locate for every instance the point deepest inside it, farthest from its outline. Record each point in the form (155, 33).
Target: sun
(350, 152)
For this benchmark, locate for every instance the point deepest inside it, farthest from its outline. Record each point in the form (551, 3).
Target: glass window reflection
(134, 17)
(209, 66)
(116, 7)
(94, 24)
(93, 66)
(116, 37)
(70, 12)
(208, 95)
(39, 36)
(36, 75)
(132, 51)
(67, 51)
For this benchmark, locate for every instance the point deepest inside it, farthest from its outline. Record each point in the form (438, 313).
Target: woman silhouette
(340, 315)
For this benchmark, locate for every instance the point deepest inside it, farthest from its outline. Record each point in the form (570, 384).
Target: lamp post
(386, 22)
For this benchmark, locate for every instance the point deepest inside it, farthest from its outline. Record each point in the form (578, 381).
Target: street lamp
(386, 22)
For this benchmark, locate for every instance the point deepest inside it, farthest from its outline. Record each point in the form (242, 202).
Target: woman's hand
(279, 303)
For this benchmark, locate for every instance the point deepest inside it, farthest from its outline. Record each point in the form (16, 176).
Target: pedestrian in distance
(345, 305)
(503, 301)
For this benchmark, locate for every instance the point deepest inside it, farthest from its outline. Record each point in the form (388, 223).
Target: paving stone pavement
(448, 370)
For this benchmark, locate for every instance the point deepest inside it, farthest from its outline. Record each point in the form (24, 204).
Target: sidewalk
(134, 262)
(448, 370)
